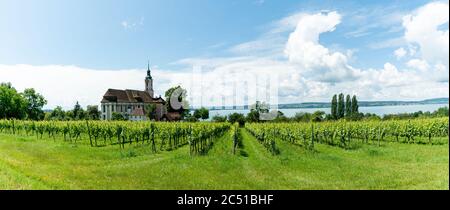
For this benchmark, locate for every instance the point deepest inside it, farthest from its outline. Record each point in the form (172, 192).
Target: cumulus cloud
(303, 48)
(400, 53)
(422, 28)
(418, 64)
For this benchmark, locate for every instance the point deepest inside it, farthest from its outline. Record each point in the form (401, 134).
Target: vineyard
(157, 155)
(348, 134)
(158, 136)
(200, 136)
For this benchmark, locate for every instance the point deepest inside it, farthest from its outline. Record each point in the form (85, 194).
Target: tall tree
(341, 106)
(334, 113)
(348, 106)
(78, 112)
(355, 106)
(34, 102)
(12, 103)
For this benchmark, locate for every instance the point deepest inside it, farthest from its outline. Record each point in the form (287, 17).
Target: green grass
(28, 163)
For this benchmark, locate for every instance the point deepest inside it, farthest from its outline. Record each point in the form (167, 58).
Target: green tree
(69, 115)
(176, 98)
(150, 111)
(302, 117)
(317, 116)
(34, 102)
(190, 118)
(202, 113)
(348, 106)
(355, 106)
(236, 117)
(93, 113)
(341, 107)
(252, 116)
(441, 112)
(58, 114)
(334, 113)
(281, 117)
(218, 118)
(12, 103)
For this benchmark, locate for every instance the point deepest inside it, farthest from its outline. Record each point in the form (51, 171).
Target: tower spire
(148, 70)
(149, 81)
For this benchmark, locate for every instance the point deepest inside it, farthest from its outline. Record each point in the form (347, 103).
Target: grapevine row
(166, 136)
(343, 134)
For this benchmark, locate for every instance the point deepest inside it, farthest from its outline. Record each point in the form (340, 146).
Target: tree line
(29, 104)
(20, 105)
(77, 113)
(342, 107)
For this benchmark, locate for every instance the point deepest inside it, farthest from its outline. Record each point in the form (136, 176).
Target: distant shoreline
(311, 105)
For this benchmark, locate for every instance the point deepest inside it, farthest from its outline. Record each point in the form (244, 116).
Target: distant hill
(360, 103)
(367, 103)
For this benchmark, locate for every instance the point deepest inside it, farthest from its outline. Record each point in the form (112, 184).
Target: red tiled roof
(129, 96)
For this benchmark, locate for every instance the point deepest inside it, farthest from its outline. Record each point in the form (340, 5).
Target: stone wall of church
(126, 108)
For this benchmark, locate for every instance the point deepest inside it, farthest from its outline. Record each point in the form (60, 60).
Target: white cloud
(437, 72)
(422, 27)
(400, 53)
(303, 48)
(418, 64)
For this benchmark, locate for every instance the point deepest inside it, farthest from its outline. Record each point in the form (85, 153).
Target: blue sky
(173, 34)
(90, 33)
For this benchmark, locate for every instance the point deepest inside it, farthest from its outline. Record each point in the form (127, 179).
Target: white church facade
(132, 104)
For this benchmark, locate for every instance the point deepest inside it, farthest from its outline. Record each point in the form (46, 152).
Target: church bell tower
(149, 81)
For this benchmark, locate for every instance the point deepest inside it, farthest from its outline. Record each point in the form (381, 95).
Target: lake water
(379, 110)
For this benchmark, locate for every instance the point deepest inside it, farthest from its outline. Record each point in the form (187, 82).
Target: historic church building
(132, 103)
